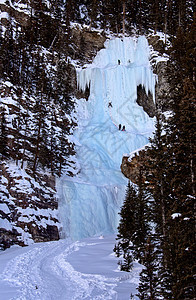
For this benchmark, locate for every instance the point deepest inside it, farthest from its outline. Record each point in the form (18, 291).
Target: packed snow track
(64, 270)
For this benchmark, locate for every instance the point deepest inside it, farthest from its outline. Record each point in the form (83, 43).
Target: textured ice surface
(90, 202)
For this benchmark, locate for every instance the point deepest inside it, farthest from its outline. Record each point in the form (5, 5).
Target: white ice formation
(90, 202)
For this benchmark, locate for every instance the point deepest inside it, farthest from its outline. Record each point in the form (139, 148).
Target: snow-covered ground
(66, 270)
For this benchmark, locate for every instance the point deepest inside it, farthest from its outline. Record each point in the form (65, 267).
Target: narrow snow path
(65, 270)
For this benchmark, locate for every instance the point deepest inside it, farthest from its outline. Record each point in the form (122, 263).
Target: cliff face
(131, 166)
(28, 203)
(86, 44)
(28, 207)
(159, 60)
(38, 88)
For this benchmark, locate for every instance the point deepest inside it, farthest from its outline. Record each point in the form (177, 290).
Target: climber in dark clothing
(119, 61)
(123, 129)
(119, 127)
(110, 104)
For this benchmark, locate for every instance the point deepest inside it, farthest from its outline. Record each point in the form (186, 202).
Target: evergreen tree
(142, 215)
(25, 142)
(3, 134)
(148, 277)
(93, 11)
(133, 228)
(159, 179)
(126, 228)
(177, 244)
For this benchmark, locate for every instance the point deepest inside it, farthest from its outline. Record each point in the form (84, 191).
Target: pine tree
(148, 277)
(133, 228)
(25, 141)
(8, 51)
(93, 11)
(126, 228)
(40, 112)
(159, 179)
(166, 280)
(3, 134)
(142, 215)
(178, 244)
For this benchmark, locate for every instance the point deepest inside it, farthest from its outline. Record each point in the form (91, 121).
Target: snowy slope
(90, 202)
(63, 270)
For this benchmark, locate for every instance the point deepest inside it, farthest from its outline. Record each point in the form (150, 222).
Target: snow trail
(65, 271)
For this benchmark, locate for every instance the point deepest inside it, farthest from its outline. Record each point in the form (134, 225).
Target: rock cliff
(38, 87)
(31, 160)
(131, 164)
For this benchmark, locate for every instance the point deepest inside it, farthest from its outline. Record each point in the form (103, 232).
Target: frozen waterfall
(90, 201)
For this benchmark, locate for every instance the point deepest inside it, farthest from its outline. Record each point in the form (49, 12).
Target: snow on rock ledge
(28, 209)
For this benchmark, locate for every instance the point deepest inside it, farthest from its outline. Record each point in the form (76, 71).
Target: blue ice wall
(90, 201)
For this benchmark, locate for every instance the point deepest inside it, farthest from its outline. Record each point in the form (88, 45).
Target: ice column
(90, 202)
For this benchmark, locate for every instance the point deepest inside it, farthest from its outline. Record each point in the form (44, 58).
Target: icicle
(112, 77)
(91, 204)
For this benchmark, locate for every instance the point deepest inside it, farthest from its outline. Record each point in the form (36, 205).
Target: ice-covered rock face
(90, 202)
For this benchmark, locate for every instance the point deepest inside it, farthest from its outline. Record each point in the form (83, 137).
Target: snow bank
(65, 270)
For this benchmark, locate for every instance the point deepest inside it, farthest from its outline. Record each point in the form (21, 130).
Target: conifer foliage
(168, 255)
(133, 227)
(181, 130)
(39, 83)
(148, 277)
(126, 228)
(3, 134)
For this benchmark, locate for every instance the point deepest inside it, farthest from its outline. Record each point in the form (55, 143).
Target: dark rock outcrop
(146, 101)
(160, 68)
(131, 166)
(28, 208)
(20, 17)
(86, 44)
(162, 89)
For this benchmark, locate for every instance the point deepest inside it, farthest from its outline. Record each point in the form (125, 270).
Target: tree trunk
(37, 146)
(24, 147)
(166, 16)
(192, 170)
(124, 6)
(38, 136)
